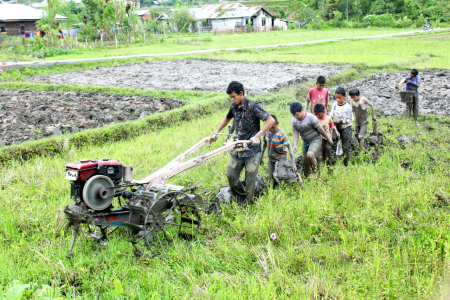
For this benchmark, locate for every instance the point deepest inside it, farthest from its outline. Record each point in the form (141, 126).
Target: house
(19, 19)
(234, 17)
(281, 24)
(144, 14)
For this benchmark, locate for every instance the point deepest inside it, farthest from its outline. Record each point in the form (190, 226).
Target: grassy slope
(346, 235)
(188, 42)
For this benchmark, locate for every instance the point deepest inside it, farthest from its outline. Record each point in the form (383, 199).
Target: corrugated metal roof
(141, 12)
(20, 12)
(226, 11)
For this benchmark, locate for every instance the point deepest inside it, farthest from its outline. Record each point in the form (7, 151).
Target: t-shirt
(318, 96)
(327, 124)
(247, 121)
(342, 112)
(276, 144)
(411, 87)
(307, 127)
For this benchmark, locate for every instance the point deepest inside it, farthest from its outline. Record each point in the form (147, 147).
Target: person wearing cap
(308, 127)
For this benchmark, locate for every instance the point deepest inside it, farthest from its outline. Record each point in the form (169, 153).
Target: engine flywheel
(98, 192)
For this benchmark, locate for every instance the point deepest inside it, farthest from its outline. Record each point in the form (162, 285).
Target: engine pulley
(98, 192)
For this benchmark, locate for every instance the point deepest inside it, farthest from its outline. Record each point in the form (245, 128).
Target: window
(22, 29)
(2, 29)
(263, 22)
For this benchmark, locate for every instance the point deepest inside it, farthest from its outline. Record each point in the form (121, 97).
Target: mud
(29, 115)
(200, 75)
(434, 92)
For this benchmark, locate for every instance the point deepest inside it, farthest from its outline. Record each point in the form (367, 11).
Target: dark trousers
(234, 170)
(413, 107)
(346, 138)
(327, 152)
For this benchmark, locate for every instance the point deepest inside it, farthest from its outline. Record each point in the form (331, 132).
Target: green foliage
(47, 22)
(182, 21)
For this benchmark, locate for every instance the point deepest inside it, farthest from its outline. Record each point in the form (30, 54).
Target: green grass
(368, 231)
(189, 42)
(423, 51)
(347, 235)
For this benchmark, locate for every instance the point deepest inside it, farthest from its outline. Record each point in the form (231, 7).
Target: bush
(389, 20)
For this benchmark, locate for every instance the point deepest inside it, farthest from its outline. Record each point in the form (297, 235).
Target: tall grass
(367, 231)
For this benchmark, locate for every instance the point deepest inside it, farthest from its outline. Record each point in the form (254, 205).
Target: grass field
(369, 231)
(346, 235)
(423, 51)
(189, 42)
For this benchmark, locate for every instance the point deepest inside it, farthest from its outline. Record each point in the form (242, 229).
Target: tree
(182, 19)
(48, 22)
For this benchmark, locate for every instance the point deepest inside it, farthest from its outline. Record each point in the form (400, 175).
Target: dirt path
(52, 62)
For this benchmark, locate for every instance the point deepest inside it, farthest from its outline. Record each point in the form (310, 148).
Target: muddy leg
(271, 169)
(251, 170)
(416, 108)
(334, 147)
(327, 153)
(346, 137)
(234, 169)
(408, 109)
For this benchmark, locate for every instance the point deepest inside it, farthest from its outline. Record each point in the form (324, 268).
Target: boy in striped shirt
(279, 167)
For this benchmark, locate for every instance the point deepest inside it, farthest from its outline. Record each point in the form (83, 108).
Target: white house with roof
(228, 17)
(223, 17)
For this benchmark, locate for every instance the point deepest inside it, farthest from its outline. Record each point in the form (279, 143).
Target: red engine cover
(87, 168)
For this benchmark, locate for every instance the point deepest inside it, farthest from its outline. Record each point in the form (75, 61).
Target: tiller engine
(107, 198)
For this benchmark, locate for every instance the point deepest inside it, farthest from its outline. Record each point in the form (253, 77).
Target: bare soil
(29, 115)
(200, 75)
(434, 92)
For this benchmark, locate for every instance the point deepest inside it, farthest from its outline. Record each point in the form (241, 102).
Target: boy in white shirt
(342, 115)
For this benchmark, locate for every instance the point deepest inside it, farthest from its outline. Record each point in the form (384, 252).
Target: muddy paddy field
(29, 115)
(199, 75)
(434, 92)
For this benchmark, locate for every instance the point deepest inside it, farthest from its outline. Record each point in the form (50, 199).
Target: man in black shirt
(247, 115)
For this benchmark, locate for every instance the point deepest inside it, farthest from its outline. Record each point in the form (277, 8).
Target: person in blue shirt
(412, 84)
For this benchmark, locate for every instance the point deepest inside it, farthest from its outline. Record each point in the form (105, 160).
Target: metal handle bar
(178, 165)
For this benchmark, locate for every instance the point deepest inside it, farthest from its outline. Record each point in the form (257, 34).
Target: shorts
(314, 146)
(283, 172)
(360, 131)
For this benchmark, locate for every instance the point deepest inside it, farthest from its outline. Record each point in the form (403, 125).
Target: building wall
(279, 24)
(258, 22)
(13, 28)
(227, 24)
